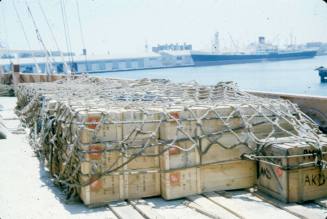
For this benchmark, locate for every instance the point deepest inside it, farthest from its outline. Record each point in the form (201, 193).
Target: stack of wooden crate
(193, 151)
(100, 140)
(140, 139)
(194, 164)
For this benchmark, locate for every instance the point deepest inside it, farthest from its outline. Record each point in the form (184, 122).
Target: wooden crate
(97, 158)
(102, 191)
(117, 124)
(178, 124)
(213, 152)
(292, 183)
(207, 178)
(232, 145)
(140, 126)
(182, 123)
(137, 179)
(127, 185)
(109, 130)
(180, 183)
(175, 158)
(239, 174)
(177, 180)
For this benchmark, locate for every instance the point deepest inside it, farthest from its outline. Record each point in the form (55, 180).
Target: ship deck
(26, 191)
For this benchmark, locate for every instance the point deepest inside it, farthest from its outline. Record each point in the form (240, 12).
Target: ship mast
(215, 45)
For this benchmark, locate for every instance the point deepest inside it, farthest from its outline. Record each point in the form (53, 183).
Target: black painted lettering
(307, 180)
(315, 179)
(322, 179)
(265, 172)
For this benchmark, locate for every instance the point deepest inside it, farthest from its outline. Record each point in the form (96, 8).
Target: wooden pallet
(227, 204)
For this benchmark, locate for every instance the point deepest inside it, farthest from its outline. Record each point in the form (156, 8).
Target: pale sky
(123, 26)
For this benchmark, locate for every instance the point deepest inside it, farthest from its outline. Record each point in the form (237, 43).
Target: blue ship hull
(201, 59)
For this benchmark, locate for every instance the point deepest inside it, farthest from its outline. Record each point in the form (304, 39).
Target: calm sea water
(297, 76)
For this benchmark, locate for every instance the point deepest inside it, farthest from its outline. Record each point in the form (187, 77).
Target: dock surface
(26, 191)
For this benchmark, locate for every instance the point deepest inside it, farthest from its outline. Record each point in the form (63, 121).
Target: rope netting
(80, 121)
(6, 90)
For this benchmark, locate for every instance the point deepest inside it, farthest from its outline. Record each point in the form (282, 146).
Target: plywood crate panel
(121, 186)
(139, 125)
(213, 151)
(178, 124)
(97, 158)
(177, 180)
(136, 179)
(175, 158)
(207, 178)
(102, 156)
(103, 190)
(93, 126)
(142, 184)
(180, 183)
(228, 175)
(116, 124)
(232, 145)
(290, 182)
(149, 158)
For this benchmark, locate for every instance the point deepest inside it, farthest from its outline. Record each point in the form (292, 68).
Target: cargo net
(77, 126)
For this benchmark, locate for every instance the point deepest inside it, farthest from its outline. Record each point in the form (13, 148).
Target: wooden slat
(123, 210)
(307, 210)
(212, 208)
(246, 205)
(173, 209)
(146, 209)
(201, 210)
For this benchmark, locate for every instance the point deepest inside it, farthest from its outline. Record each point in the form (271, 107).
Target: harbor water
(295, 76)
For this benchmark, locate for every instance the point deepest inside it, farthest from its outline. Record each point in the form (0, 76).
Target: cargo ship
(257, 52)
(206, 58)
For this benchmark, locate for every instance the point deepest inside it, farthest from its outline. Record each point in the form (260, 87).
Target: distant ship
(206, 58)
(261, 51)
